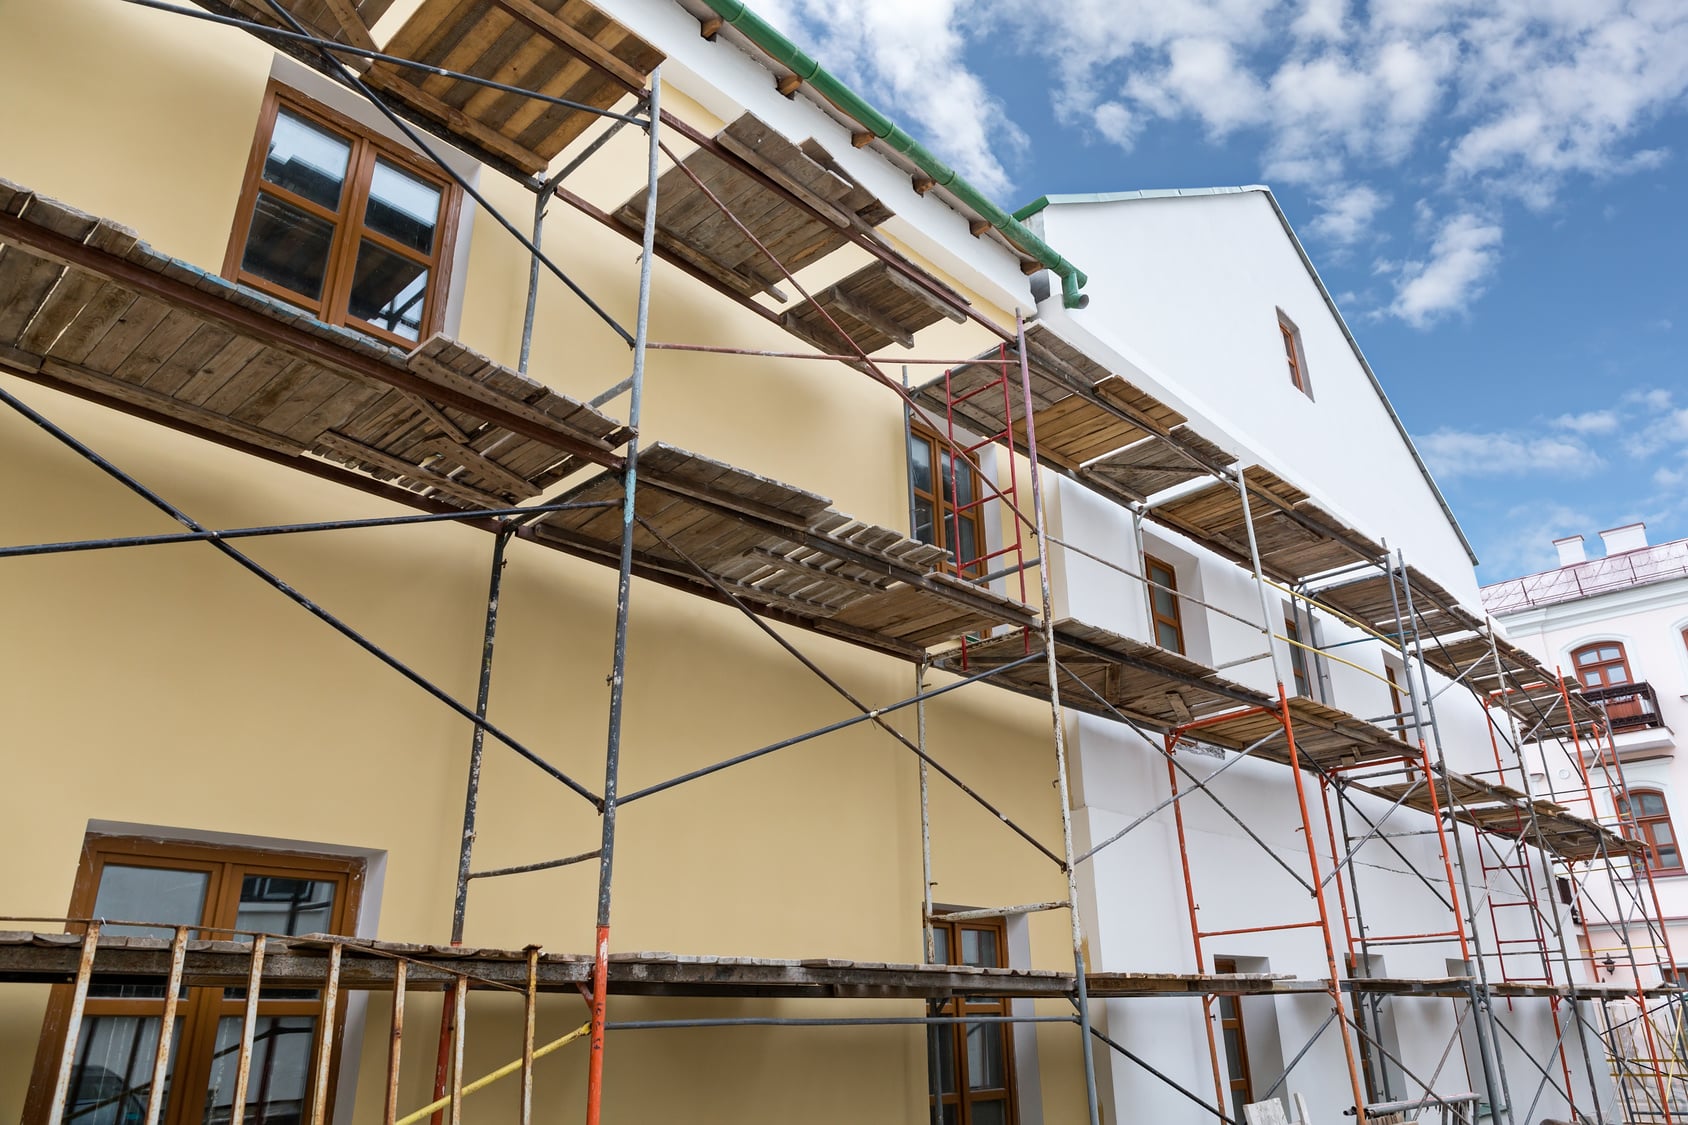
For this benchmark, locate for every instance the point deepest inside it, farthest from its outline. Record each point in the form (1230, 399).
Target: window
(1650, 822)
(213, 889)
(949, 499)
(1399, 703)
(975, 1085)
(346, 225)
(1236, 1043)
(1163, 604)
(1298, 659)
(1294, 356)
(1601, 665)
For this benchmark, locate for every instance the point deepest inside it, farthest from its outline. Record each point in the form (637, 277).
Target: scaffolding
(454, 436)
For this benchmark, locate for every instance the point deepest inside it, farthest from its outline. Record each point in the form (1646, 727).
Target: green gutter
(787, 54)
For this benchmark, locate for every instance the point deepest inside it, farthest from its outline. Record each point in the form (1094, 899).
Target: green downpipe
(788, 55)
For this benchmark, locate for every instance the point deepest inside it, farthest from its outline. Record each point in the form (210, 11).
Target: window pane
(920, 463)
(978, 947)
(1616, 675)
(1669, 858)
(940, 945)
(1651, 804)
(969, 549)
(276, 905)
(112, 1076)
(945, 468)
(402, 207)
(990, 1113)
(280, 1073)
(964, 484)
(923, 529)
(1167, 637)
(149, 894)
(946, 1057)
(288, 246)
(388, 291)
(306, 159)
(986, 1061)
(1166, 602)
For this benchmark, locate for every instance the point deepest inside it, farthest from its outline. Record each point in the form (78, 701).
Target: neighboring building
(1618, 624)
(235, 293)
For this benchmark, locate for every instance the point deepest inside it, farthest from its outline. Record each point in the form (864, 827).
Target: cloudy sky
(1493, 189)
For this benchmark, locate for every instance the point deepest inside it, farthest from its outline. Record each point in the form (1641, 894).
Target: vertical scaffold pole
(477, 744)
(1039, 530)
(1354, 1080)
(624, 584)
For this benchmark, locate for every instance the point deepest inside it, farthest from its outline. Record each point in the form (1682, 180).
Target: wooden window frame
(970, 514)
(1156, 619)
(1641, 828)
(1298, 657)
(1294, 354)
(1621, 661)
(1239, 1082)
(1399, 700)
(963, 1098)
(348, 223)
(202, 1007)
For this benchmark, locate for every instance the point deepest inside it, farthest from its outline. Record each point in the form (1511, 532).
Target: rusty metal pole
(248, 1030)
(624, 584)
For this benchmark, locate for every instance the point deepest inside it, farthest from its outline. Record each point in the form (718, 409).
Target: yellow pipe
(502, 1072)
(1328, 656)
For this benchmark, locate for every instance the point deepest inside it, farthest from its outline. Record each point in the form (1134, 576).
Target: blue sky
(1493, 189)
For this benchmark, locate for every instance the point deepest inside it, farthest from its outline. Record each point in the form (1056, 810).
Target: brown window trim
(1582, 671)
(963, 1099)
(201, 1010)
(1238, 1079)
(968, 514)
(1638, 827)
(1169, 580)
(1298, 658)
(1294, 355)
(332, 307)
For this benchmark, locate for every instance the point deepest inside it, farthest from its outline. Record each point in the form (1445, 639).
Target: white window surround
(1028, 1088)
(369, 912)
(320, 88)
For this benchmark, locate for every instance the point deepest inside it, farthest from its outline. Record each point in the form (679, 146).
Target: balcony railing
(1628, 706)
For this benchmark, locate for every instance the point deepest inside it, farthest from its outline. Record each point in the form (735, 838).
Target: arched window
(1646, 817)
(1602, 664)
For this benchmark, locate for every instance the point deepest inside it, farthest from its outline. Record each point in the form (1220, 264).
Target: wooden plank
(567, 36)
(353, 451)
(25, 282)
(110, 387)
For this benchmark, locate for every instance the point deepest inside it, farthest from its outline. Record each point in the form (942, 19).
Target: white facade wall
(1190, 314)
(1648, 621)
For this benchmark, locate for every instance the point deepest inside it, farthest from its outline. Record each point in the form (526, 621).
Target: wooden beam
(931, 295)
(575, 40)
(861, 139)
(357, 34)
(789, 85)
(369, 455)
(1029, 267)
(924, 184)
(385, 79)
(710, 27)
(870, 317)
(244, 321)
(978, 227)
(824, 208)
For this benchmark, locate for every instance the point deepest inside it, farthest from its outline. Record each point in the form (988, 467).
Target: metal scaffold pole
(472, 794)
(624, 583)
(1040, 532)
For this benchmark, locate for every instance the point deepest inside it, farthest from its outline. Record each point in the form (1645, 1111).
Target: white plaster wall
(1189, 290)
(1648, 621)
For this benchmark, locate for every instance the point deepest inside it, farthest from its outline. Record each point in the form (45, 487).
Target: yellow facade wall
(165, 686)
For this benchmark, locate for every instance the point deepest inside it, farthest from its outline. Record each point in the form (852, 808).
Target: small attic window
(1294, 355)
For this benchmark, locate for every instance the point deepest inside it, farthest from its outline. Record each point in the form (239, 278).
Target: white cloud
(1495, 103)
(1589, 422)
(1464, 453)
(1346, 213)
(1462, 255)
(912, 57)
